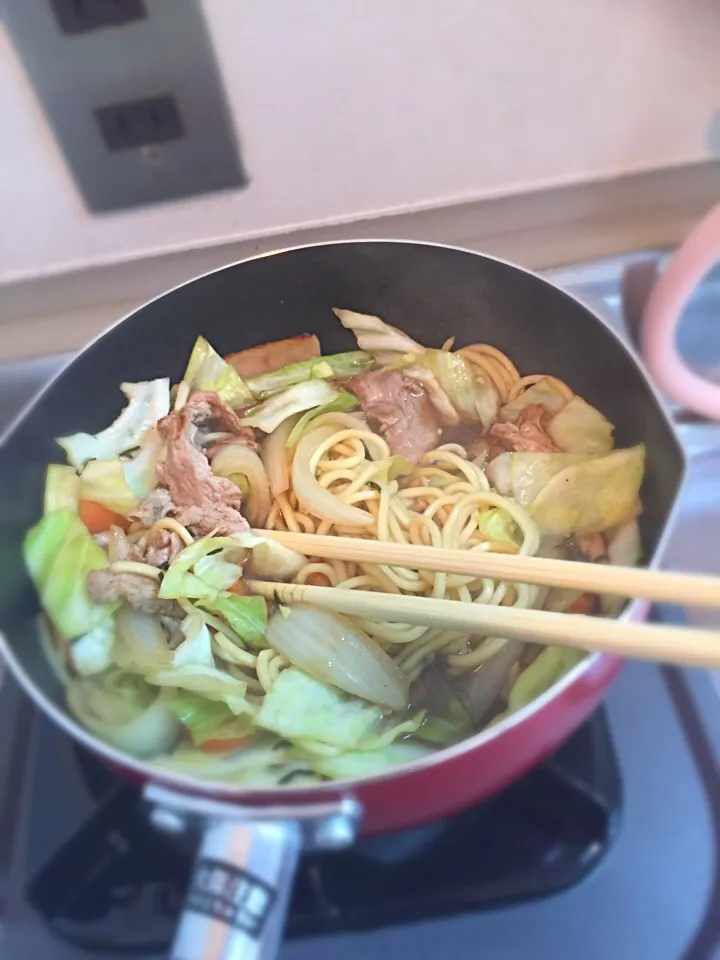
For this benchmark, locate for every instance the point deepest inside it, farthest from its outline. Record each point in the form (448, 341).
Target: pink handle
(686, 268)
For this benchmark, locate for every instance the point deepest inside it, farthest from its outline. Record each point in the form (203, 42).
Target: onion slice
(334, 650)
(274, 456)
(237, 460)
(312, 496)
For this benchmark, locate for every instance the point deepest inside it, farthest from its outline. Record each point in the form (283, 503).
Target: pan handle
(241, 884)
(663, 312)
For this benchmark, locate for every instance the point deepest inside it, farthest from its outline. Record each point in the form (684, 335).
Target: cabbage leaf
(104, 481)
(580, 428)
(298, 708)
(269, 559)
(343, 402)
(497, 524)
(202, 569)
(338, 366)
(552, 664)
(148, 402)
(247, 616)
(59, 553)
(303, 396)
(523, 475)
(542, 392)
(354, 764)
(206, 370)
(125, 711)
(62, 488)
(208, 681)
(591, 496)
(208, 719)
(93, 652)
(196, 648)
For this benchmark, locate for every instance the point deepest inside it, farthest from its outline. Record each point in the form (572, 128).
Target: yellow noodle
(174, 526)
(133, 566)
(439, 504)
(525, 382)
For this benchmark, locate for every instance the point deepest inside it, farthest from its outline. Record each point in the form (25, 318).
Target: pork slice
(206, 409)
(400, 407)
(203, 502)
(593, 547)
(526, 434)
(160, 547)
(267, 357)
(104, 586)
(156, 506)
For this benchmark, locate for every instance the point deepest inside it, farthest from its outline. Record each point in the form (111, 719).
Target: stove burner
(116, 887)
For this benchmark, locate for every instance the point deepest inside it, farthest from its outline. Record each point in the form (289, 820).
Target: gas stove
(609, 851)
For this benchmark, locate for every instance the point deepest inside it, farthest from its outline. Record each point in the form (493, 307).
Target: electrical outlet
(125, 126)
(139, 110)
(80, 16)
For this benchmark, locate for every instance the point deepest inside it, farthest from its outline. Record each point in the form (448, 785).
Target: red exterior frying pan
(251, 838)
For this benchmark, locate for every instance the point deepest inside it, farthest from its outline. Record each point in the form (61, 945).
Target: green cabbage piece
(208, 719)
(148, 402)
(104, 482)
(263, 762)
(93, 652)
(62, 488)
(473, 399)
(343, 402)
(207, 681)
(247, 616)
(206, 370)
(580, 428)
(338, 366)
(125, 711)
(299, 708)
(390, 468)
(523, 475)
(59, 553)
(268, 415)
(140, 470)
(202, 569)
(591, 496)
(355, 764)
(197, 645)
(542, 393)
(497, 524)
(552, 664)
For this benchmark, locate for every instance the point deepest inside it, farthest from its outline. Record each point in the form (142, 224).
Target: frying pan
(251, 838)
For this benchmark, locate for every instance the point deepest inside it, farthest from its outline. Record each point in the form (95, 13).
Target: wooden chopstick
(660, 586)
(668, 644)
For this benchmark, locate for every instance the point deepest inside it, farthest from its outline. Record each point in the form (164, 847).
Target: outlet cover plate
(166, 54)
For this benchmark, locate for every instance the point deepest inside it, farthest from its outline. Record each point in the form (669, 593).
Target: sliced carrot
(586, 603)
(98, 518)
(239, 588)
(222, 746)
(318, 579)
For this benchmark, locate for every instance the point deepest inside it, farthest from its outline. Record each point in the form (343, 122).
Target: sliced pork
(526, 434)
(208, 411)
(156, 506)
(104, 586)
(202, 501)
(272, 356)
(400, 408)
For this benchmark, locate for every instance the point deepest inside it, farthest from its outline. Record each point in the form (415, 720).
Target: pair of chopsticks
(669, 644)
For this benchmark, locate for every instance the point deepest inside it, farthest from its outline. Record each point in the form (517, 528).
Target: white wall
(349, 109)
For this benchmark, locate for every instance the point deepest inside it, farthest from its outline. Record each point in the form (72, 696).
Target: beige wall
(349, 110)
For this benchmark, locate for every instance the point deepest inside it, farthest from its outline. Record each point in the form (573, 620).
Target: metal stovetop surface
(656, 896)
